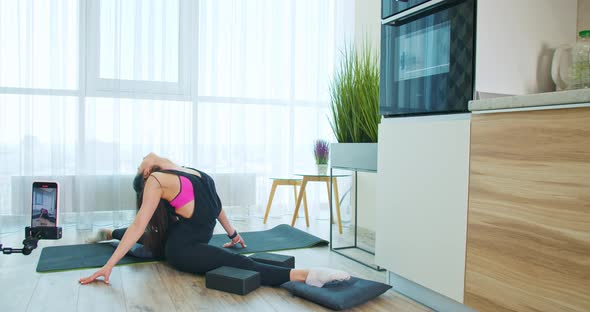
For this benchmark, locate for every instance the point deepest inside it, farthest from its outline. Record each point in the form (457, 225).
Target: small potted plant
(321, 152)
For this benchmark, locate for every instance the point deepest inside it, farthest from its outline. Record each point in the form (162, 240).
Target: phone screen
(44, 204)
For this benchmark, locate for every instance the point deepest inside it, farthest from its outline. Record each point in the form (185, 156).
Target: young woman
(179, 207)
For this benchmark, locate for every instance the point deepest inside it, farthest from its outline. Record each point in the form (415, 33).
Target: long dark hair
(155, 233)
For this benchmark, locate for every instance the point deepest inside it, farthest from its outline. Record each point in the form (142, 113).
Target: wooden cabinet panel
(528, 236)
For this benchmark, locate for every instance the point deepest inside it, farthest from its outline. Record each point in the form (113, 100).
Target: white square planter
(354, 156)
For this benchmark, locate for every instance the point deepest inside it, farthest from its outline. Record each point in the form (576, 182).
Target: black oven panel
(427, 63)
(392, 7)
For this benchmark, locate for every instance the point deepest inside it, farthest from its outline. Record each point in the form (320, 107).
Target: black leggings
(118, 234)
(187, 254)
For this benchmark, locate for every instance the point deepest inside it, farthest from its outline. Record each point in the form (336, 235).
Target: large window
(261, 49)
(140, 49)
(39, 44)
(138, 40)
(87, 88)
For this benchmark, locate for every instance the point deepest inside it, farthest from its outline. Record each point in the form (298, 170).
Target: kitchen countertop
(579, 96)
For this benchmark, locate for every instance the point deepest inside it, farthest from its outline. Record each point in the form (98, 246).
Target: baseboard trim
(424, 295)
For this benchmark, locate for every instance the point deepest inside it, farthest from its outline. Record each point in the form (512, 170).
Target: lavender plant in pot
(321, 153)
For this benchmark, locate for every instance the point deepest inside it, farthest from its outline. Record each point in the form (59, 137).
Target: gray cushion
(338, 295)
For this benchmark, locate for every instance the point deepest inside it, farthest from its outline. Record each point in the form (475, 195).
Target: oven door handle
(401, 17)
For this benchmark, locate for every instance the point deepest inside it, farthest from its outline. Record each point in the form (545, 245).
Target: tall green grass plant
(354, 93)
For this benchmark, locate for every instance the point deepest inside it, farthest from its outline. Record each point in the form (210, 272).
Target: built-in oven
(392, 7)
(427, 57)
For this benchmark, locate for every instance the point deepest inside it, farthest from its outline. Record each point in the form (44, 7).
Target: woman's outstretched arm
(151, 197)
(230, 230)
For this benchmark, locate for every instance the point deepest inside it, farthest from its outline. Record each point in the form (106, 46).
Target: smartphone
(45, 204)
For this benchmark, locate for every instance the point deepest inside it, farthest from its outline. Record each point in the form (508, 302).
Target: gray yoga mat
(72, 257)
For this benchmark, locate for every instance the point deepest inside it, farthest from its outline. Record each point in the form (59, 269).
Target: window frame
(141, 89)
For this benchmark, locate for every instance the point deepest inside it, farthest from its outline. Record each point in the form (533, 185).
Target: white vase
(322, 169)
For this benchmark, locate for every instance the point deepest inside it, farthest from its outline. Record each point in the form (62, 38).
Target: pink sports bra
(185, 195)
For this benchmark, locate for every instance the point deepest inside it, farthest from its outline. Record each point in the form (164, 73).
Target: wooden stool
(284, 181)
(318, 178)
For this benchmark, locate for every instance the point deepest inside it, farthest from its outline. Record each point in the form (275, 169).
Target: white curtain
(238, 89)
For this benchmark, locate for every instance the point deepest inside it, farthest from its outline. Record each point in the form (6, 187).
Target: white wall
(368, 22)
(583, 15)
(516, 41)
(367, 25)
(367, 193)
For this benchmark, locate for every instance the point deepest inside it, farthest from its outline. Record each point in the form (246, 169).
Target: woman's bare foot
(102, 235)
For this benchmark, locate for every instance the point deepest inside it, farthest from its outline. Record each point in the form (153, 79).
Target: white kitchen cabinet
(422, 186)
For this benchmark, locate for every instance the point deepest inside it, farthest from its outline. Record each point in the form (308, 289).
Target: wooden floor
(158, 287)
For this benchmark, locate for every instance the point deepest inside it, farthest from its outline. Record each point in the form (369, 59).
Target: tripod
(29, 244)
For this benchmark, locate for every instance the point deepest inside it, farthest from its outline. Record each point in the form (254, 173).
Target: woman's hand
(234, 241)
(105, 271)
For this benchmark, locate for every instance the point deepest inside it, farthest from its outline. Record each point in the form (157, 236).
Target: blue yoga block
(274, 259)
(232, 280)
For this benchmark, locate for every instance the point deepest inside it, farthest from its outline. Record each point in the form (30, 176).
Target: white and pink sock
(319, 276)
